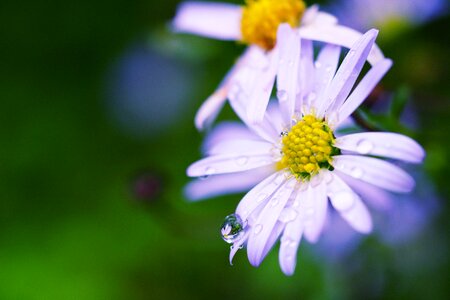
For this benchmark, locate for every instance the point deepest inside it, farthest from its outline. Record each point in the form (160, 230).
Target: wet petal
(363, 90)
(264, 226)
(214, 20)
(349, 205)
(314, 204)
(289, 244)
(236, 246)
(224, 184)
(306, 79)
(239, 146)
(386, 144)
(209, 110)
(375, 171)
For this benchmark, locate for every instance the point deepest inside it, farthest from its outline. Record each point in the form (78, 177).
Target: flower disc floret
(308, 147)
(261, 18)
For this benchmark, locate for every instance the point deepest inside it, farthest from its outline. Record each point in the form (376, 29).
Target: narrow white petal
(349, 205)
(229, 163)
(263, 228)
(338, 35)
(209, 110)
(362, 91)
(214, 20)
(313, 205)
(325, 68)
(273, 237)
(349, 70)
(386, 144)
(227, 131)
(306, 79)
(224, 184)
(236, 246)
(259, 195)
(314, 17)
(289, 244)
(375, 171)
(288, 44)
(238, 146)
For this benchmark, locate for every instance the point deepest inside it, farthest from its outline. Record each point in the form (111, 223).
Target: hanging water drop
(232, 228)
(364, 146)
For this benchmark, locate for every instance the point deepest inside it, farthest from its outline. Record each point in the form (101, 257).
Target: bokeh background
(96, 125)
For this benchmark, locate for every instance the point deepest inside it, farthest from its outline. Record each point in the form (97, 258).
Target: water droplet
(288, 215)
(364, 146)
(274, 202)
(318, 64)
(261, 198)
(343, 200)
(282, 95)
(328, 69)
(357, 172)
(232, 228)
(208, 172)
(351, 53)
(242, 160)
(311, 97)
(258, 229)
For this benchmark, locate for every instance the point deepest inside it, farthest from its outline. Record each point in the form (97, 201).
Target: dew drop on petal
(282, 95)
(288, 215)
(274, 202)
(364, 146)
(232, 228)
(356, 172)
(318, 64)
(208, 172)
(261, 198)
(258, 229)
(242, 160)
(343, 200)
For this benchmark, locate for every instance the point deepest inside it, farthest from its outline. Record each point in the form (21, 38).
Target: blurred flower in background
(391, 16)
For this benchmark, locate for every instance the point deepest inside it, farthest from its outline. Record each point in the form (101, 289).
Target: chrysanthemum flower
(256, 24)
(293, 162)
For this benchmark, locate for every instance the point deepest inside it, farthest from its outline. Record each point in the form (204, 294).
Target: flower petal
(215, 20)
(375, 171)
(349, 205)
(348, 72)
(338, 35)
(229, 163)
(236, 246)
(209, 110)
(238, 146)
(386, 144)
(314, 204)
(259, 195)
(325, 68)
(314, 17)
(224, 184)
(288, 44)
(264, 226)
(306, 82)
(364, 88)
(289, 244)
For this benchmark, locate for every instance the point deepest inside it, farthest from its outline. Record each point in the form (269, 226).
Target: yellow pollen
(261, 18)
(307, 148)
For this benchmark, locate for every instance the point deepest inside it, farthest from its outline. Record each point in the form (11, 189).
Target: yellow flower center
(261, 18)
(307, 148)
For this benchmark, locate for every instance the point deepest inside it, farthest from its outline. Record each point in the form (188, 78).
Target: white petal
(288, 44)
(349, 205)
(236, 246)
(209, 110)
(239, 146)
(227, 131)
(375, 171)
(263, 228)
(306, 79)
(218, 185)
(386, 144)
(229, 163)
(215, 20)
(338, 35)
(313, 205)
(314, 17)
(259, 195)
(289, 244)
(364, 88)
(349, 70)
(325, 68)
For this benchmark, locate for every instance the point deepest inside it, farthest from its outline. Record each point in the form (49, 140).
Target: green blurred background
(98, 100)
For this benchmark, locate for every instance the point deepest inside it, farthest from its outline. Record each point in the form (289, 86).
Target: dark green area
(72, 225)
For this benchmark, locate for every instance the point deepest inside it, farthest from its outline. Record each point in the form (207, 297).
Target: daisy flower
(293, 163)
(256, 24)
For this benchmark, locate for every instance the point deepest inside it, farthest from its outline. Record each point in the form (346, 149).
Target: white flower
(292, 161)
(256, 25)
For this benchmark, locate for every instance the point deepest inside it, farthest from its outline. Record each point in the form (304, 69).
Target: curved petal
(339, 35)
(386, 144)
(288, 44)
(349, 205)
(264, 226)
(325, 66)
(236, 246)
(375, 171)
(314, 205)
(314, 17)
(289, 244)
(349, 71)
(225, 184)
(259, 195)
(362, 91)
(229, 163)
(215, 20)
(209, 110)
(239, 146)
